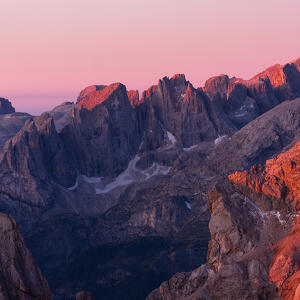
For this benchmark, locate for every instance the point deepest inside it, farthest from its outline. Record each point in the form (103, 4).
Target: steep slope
(20, 278)
(254, 247)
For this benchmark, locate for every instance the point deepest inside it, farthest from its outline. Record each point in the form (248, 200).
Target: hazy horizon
(53, 49)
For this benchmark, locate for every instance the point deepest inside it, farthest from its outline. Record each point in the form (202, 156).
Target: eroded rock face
(254, 247)
(6, 107)
(20, 277)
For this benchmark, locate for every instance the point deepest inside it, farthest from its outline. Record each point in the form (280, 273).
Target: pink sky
(51, 49)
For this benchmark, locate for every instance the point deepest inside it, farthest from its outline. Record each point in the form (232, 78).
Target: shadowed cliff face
(254, 247)
(20, 278)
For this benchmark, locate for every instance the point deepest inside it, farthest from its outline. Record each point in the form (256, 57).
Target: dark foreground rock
(20, 277)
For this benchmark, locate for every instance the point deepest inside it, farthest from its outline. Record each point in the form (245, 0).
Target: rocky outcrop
(6, 107)
(254, 247)
(20, 277)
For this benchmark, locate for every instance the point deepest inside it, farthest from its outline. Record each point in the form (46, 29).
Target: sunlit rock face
(133, 97)
(254, 248)
(6, 107)
(279, 178)
(278, 182)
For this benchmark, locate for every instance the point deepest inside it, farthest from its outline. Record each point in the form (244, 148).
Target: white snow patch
(189, 148)
(130, 175)
(263, 215)
(74, 186)
(133, 174)
(155, 169)
(242, 114)
(188, 204)
(125, 178)
(220, 139)
(91, 179)
(171, 137)
(276, 214)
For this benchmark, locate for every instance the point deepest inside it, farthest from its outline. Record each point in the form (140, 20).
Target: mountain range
(182, 193)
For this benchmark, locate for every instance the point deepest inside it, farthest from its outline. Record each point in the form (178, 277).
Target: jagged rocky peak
(217, 85)
(6, 107)
(284, 78)
(175, 108)
(20, 277)
(133, 96)
(168, 89)
(115, 94)
(243, 100)
(104, 133)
